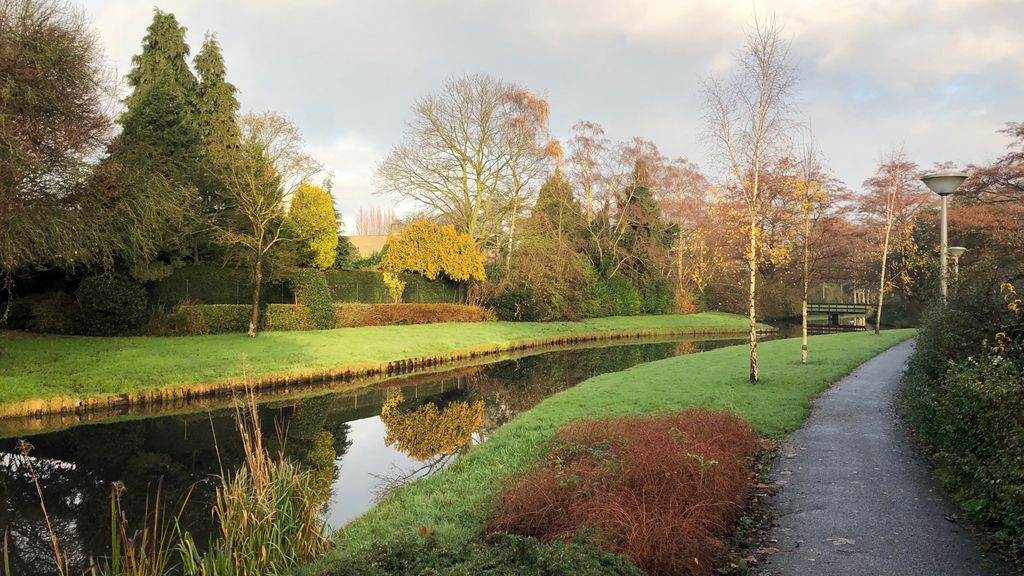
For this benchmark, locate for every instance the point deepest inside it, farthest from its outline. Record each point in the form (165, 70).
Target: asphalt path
(857, 499)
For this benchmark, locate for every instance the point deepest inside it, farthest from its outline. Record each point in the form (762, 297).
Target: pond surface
(379, 437)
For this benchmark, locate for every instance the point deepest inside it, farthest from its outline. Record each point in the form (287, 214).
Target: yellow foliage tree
(312, 212)
(431, 250)
(427, 431)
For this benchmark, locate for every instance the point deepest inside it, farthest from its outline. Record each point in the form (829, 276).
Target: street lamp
(956, 252)
(943, 183)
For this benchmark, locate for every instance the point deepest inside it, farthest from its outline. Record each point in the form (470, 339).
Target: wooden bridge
(834, 309)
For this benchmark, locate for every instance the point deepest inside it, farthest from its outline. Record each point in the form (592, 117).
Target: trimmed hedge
(311, 292)
(367, 286)
(354, 315)
(198, 319)
(286, 317)
(209, 284)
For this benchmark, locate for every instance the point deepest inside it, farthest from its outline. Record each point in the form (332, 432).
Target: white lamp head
(957, 251)
(944, 182)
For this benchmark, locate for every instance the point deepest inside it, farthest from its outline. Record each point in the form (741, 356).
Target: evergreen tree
(216, 104)
(159, 121)
(158, 150)
(646, 241)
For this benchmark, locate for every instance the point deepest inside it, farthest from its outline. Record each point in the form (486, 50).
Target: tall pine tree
(159, 148)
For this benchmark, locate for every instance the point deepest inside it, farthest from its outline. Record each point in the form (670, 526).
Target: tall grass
(268, 514)
(145, 552)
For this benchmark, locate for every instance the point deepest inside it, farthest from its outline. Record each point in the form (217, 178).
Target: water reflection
(360, 443)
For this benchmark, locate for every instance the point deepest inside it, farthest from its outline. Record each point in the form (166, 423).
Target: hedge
(311, 292)
(367, 286)
(354, 315)
(198, 319)
(286, 317)
(209, 284)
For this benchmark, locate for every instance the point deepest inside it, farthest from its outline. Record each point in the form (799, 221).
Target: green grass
(40, 367)
(455, 502)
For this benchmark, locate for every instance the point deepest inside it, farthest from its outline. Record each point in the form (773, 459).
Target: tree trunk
(807, 278)
(752, 265)
(257, 277)
(881, 282)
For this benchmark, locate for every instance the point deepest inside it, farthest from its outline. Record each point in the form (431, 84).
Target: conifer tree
(158, 150)
(216, 105)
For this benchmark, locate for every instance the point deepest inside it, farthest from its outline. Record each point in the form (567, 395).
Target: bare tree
(259, 180)
(748, 117)
(588, 158)
(375, 221)
(471, 152)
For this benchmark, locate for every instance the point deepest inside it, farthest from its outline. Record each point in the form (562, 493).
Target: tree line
(179, 176)
(583, 226)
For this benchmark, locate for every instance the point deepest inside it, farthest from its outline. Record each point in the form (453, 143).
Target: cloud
(938, 76)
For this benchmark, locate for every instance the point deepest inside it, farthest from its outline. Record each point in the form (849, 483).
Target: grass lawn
(455, 502)
(41, 367)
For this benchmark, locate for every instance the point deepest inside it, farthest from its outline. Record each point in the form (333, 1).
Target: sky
(938, 78)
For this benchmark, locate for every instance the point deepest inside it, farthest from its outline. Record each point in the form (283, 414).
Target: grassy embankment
(455, 503)
(51, 373)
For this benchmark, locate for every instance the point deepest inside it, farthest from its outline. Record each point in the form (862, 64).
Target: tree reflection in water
(432, 418)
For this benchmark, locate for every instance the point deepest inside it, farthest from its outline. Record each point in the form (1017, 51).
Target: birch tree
(892, 196)
(813, 193)
(748, 116)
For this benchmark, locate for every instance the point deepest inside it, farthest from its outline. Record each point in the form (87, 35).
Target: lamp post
(956, 252)
(943, 183)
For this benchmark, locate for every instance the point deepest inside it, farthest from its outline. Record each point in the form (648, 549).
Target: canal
(361, 442)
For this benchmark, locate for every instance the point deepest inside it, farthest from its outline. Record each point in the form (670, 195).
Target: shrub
(972, 424)
(313, 294)
(518, 303)
(617, 296)
(54, 313)
(111, 305)
(19, 317)
(355, 315)
(284, 317)
(658, 298)
(434, 251)
(197, 319)
(663, 490)
(505, 555)
(964, 397)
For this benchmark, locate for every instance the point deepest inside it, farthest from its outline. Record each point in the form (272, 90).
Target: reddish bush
(353, 315)
(664, 491)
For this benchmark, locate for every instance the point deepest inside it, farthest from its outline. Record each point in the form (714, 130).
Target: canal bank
(72, 374)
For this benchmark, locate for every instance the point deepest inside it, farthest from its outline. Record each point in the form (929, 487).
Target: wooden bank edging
(280, 380)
